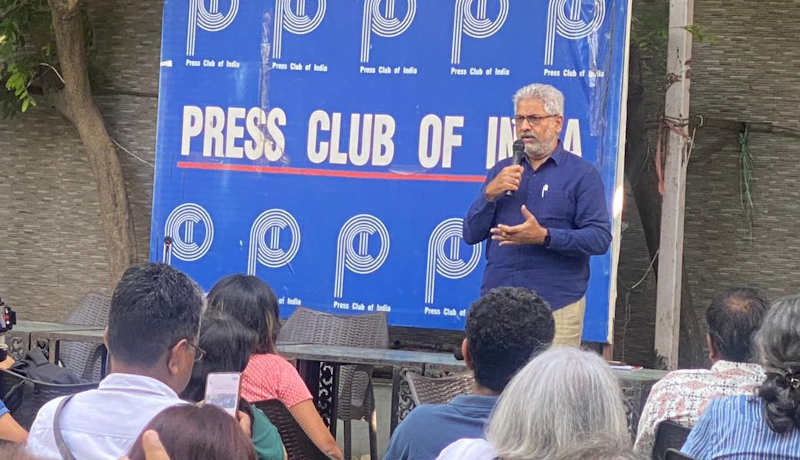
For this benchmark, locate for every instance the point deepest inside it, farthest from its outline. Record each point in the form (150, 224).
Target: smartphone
(222, 390)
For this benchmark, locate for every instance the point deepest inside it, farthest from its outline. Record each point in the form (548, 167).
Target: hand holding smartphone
(222, 390)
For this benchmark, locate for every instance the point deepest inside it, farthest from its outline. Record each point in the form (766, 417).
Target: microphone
(519, 154)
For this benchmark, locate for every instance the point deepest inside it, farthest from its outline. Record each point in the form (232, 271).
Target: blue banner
(333, 147)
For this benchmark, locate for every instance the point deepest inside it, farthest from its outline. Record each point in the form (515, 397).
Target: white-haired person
(559, 399)
(766, 425)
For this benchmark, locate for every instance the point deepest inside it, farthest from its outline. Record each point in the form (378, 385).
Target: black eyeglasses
(199, 353)
(532, 119)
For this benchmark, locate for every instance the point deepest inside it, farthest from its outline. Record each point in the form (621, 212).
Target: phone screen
(222, 390)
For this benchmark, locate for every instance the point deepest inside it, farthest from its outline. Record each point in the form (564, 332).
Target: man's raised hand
(507, 180)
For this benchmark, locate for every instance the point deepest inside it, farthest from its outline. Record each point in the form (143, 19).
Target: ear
(712, 351)
(465, 353)
(105, 338)
(559, 123)
(177, 357)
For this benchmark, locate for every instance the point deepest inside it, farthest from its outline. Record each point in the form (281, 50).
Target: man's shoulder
(578, 163)
(41, 441)
(426, 413)
(425, 431)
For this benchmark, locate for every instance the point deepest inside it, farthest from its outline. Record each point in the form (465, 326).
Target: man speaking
(545, 212)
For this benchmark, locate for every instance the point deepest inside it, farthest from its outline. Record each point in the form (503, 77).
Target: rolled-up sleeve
(480, 216)
(591, 234)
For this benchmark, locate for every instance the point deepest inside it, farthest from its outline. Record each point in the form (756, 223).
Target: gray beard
(538, 150)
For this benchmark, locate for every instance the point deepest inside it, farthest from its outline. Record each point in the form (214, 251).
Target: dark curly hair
(778, 348)
(506, 327)
(733, 317)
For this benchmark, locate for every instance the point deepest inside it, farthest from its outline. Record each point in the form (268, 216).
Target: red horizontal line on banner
(329, 172)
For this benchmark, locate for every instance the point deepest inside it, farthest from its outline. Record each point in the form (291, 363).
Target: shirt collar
(139, 383)
(471, 400)
(558, 156)
(722, 366)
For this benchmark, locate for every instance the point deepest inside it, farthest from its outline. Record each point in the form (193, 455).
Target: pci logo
(296, 22)
(474, 25)
(210, 19)
(353, 252)
(574, 24)
(383, 24)
(184, 224)
(265, 240)
(444, 255)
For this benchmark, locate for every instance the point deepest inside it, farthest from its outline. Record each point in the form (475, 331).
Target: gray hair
(557, 400)
(552, 98)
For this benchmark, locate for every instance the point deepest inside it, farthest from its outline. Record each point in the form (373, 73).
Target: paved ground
(383, 394)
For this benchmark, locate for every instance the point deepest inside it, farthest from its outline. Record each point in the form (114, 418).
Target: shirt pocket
(555, 208)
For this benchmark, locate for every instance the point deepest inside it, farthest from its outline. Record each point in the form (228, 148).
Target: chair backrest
(675, 454)
(84, 359)
(310, 326)
(437, 390)
(26, 396)
(298, 445)
(669, 435)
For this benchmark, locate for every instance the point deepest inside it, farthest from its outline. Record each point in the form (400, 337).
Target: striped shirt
(734, 428)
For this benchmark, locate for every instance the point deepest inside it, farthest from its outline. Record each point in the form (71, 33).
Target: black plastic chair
(24, 396)
(669, 434)
(298, 445)
(437, 390)
(86, 359)
(356, 400)
(675, 454)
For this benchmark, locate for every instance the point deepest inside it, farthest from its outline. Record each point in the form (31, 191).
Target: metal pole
(676, 119)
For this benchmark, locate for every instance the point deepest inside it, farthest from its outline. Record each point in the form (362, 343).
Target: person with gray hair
(765, 425)
(543, 215)
(559, 399)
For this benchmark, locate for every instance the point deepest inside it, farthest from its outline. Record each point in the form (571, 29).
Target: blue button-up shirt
(735, 428)
(566, 196)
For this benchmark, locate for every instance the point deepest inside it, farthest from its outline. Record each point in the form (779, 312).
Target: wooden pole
(676, 120)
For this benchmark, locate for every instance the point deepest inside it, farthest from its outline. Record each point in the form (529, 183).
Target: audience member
(562, 397)
(505, 328)
(152, 340)
(228, 345)
(268, 375)
(10, 430)
(682, 395)
(766, 425)
(190, 432)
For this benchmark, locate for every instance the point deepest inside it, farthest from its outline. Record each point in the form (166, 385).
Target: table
(319, 367)
(20, 340)
(83, 334)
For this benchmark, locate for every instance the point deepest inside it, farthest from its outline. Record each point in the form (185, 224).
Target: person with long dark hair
(268, 375)
(190, 432)
(228, 344)
(765, 425)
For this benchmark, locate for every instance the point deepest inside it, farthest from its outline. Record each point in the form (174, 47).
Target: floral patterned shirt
(682, 396)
